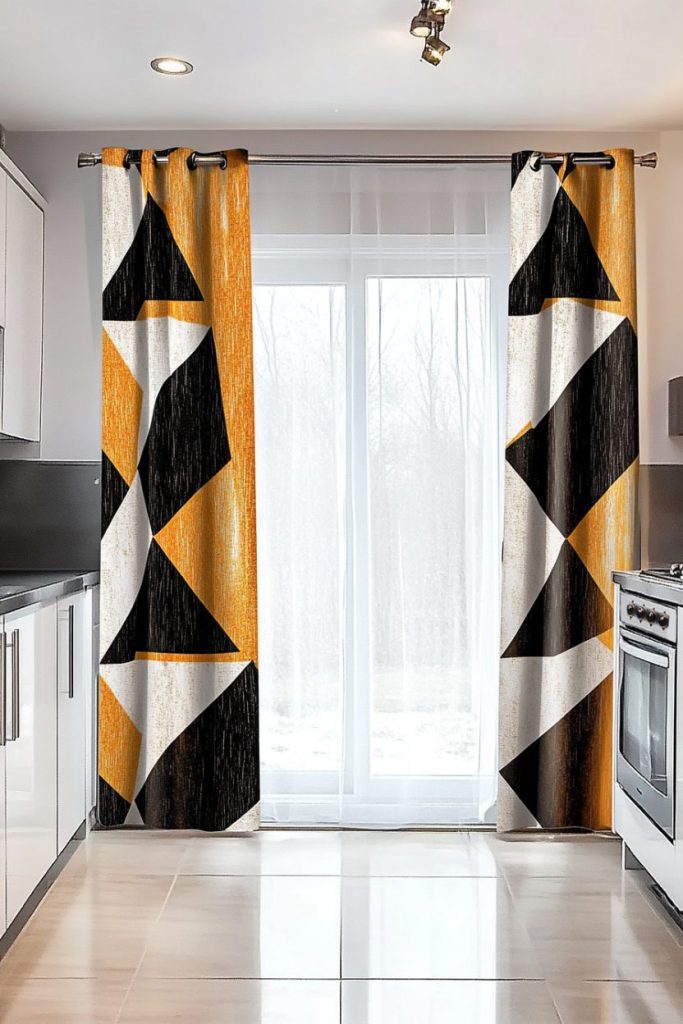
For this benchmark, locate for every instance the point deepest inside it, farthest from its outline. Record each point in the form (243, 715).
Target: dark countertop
(21, 589)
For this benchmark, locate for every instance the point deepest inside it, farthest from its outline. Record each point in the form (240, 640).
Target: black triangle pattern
(562, 264)
(153, 268)
(167, 618)
(570, 609)
(187, 443)
(114, 490)
(518, 163)
(111, 806)
(588, 438)
(208, 778)
(557, 775)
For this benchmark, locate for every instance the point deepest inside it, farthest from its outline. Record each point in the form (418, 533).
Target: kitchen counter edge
(69, 583)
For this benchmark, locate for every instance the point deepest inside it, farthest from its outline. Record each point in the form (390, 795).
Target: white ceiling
(340, 64)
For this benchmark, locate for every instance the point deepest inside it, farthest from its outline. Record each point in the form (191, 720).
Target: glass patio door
(378, 396)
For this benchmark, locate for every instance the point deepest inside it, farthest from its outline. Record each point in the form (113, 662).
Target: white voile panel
(380, 319)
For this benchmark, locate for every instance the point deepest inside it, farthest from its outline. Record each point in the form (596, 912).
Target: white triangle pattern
(533, 196)
(162, 698)
(124, 551)
(536, 693)
(153, 349)
(123, 204)
(556, 342)
(531, 545)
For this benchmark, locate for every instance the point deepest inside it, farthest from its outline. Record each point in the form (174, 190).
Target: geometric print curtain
(571, 481)
(178, 692)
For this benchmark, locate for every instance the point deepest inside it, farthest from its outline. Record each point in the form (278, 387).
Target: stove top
(672, 573)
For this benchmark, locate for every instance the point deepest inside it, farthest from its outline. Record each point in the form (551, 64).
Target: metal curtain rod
(275, 160)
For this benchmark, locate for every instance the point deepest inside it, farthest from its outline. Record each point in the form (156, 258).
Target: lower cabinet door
(73, 672)
(31, 750)
(3, 892)
(91, 647)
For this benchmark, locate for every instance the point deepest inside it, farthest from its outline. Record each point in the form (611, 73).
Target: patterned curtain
(178, 692)
(571, 478)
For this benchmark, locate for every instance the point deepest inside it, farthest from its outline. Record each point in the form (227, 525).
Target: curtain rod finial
(648, 160)
(89, 159)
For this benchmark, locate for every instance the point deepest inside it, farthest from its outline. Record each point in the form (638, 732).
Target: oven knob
(630, 609)
(652, 616)
(663, 619)
(640, 611)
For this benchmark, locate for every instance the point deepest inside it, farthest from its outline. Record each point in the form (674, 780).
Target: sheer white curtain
(380, 311)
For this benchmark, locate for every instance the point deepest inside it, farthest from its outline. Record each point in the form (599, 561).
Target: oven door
(645, 755)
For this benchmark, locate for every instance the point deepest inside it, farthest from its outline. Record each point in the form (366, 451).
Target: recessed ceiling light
(172, 66)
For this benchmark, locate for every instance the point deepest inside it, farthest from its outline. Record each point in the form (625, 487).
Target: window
(378, 383)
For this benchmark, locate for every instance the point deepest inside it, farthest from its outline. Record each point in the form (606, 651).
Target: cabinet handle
(71, 651)
(16, 692)
(3, 689)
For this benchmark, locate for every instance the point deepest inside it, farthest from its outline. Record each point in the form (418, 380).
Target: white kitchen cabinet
(3, 891)
(23, 320)
(73, 678)
(92, 646)
(3, 221)
(30, 750)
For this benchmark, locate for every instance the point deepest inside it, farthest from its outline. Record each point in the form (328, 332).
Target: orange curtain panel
(571, 480)
(178, 688)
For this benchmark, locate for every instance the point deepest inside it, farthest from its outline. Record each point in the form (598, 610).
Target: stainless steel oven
(647, 706)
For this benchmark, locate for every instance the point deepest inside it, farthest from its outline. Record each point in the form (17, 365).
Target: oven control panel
(648, 616)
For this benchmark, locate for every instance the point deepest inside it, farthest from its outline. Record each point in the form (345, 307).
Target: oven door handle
(644, 653)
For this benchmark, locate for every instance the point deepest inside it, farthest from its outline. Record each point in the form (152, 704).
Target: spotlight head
(422, 24)
(442, 6)
(435, 50)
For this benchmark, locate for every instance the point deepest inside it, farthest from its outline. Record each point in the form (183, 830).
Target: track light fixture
(435, 48)
(427, 24)
(421, 25)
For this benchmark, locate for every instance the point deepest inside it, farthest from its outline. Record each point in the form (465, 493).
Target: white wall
(71, 380)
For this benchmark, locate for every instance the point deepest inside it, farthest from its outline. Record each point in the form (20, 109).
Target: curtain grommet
(535, 161)
(193, 164)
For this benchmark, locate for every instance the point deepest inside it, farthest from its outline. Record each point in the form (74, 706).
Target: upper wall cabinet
(21, 304)
(3, 237)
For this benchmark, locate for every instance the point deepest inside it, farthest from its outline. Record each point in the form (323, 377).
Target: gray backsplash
(49, 515)
(661, 512)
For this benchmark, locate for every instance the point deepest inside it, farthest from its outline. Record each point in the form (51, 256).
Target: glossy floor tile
(581, 930)
(247, 927)
(89, 927)
(433, 928)
(62, 1001)
(445, 1002)
(346, 928)
(265, 853)
(129, 852)
(421, 854)
(545, 855)
(619, 1002)
(232, 1002)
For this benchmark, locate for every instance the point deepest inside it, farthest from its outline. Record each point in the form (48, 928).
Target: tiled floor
(353, 928)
